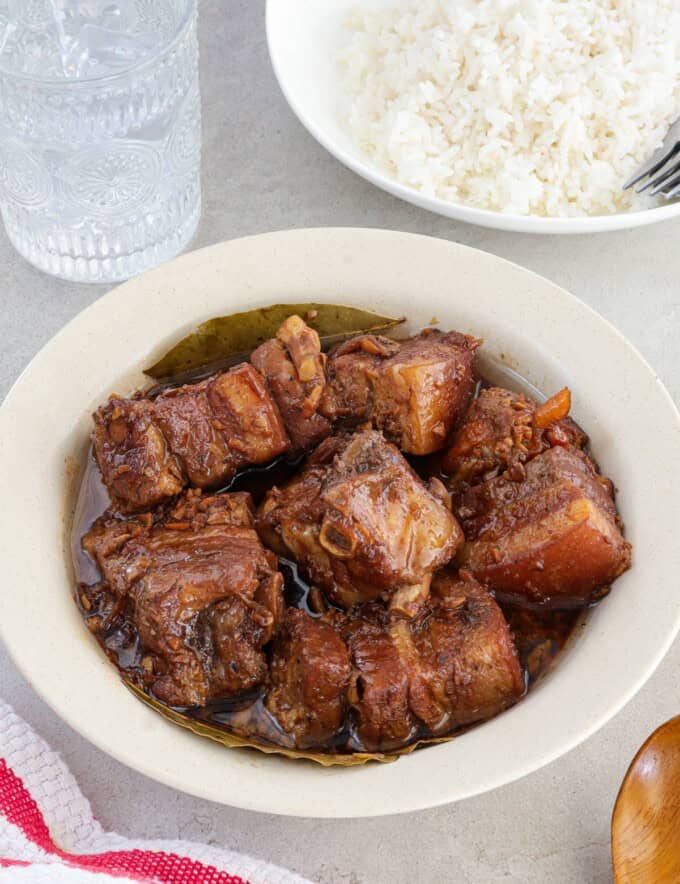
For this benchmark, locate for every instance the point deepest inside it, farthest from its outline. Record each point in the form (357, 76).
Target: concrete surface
(263, 172)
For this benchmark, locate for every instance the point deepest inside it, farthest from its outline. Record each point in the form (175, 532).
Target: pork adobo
(552, 538)
(503, 430)
(293, 366)
(414, 391)
(310, 672)
(203, 594)
(198, 435)
(361, 523)
(453, 664)
(343, 552)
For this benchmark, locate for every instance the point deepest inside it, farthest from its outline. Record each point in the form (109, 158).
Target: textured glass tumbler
(100, 175)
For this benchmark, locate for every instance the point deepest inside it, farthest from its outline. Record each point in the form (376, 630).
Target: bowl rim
(508, 221)
(332, 241)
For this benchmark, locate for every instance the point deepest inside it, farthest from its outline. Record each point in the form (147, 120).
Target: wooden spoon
(646, 818)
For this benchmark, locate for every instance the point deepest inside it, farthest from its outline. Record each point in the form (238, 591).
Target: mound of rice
(539, 107)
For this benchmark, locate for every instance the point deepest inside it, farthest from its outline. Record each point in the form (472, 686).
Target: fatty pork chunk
(551, 539)
(309, 678)
(293, 367)
(148, 450)
(206, 596)
(361, 524)
(221, 425)
(135, 460)
(415, 391)
(503, 430)
(453, 664)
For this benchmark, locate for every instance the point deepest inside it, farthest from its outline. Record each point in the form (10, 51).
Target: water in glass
(99, 133)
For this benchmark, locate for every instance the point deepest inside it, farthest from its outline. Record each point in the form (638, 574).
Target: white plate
(550, 336)
(304, 37)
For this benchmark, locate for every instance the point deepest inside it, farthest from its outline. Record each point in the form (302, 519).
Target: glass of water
(100, 133)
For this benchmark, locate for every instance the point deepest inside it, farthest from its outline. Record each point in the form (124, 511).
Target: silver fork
(662, 171)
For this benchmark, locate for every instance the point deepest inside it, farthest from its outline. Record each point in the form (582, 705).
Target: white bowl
(304, 37)
(552, 338)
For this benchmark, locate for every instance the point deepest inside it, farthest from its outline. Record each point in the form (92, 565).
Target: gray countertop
(263, 172)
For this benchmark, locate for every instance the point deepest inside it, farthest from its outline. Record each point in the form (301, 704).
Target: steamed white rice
(539, 107)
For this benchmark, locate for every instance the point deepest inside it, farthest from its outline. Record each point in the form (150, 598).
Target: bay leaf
(224, 341)
(234, 741)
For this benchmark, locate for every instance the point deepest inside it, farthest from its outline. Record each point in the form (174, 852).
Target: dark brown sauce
(257, 480)
(540, 636)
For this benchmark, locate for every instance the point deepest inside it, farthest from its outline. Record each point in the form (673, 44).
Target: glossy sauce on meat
(540, 636)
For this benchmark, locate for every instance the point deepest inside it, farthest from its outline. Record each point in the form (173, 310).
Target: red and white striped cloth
(49, 836)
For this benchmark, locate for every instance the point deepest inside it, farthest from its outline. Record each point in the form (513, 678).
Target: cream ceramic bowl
(552, 338)
(304, 37)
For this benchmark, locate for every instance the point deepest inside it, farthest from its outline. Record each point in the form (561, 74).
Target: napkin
(48, 834)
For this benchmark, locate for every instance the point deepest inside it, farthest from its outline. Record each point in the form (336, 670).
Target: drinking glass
(100, 133)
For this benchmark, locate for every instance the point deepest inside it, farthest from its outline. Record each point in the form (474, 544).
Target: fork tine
(658, 160)
(658, 182)
(669, 148)
(671, 181)
(675, 189)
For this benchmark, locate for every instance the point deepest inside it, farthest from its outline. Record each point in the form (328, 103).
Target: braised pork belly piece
(205, 595)
(468, 666)
(135, 460)
(293, 367)
(552, 538)
(221, 425)
(453, 664)
(414, 391)
(124, 548)
(202, 434)
(361, 524)
(503, 430)
(310, 674)
(380, 686)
